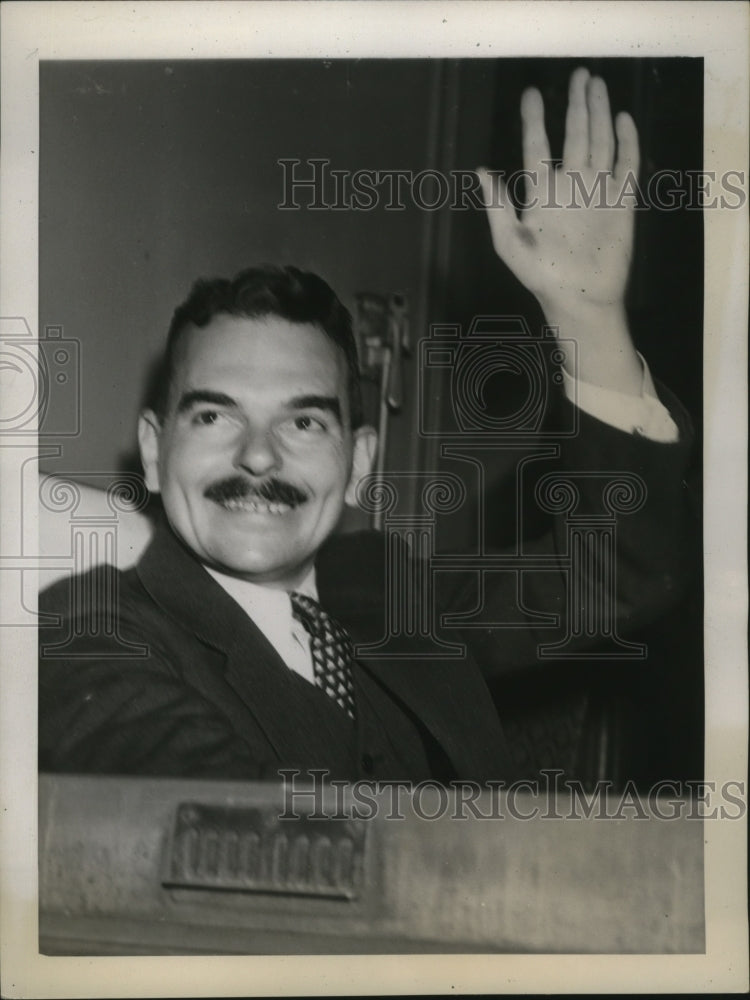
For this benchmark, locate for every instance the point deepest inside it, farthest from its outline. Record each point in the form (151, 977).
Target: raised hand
(573, 244)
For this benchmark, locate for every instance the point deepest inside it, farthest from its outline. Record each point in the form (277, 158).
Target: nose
(257, 453)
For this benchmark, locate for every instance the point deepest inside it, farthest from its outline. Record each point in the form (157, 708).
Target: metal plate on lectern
(254, 850)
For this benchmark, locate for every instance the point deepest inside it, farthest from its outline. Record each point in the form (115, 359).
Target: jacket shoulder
(105, 613)
(94, 591)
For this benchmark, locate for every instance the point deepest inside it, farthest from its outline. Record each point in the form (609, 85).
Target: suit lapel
(448, 696)
(295, 718)
(185, 592)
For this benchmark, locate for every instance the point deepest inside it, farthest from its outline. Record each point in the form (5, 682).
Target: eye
(304, 427)
(205, 418)
(307, 423)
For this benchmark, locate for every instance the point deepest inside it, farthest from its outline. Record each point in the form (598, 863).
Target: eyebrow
(312, 402)
(194, 397)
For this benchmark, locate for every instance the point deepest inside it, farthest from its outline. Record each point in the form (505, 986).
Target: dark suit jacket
(180, 682)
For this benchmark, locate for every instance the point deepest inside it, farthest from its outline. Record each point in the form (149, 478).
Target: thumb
(501, 213)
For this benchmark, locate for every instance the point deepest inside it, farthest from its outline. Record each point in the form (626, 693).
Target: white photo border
(716, 31)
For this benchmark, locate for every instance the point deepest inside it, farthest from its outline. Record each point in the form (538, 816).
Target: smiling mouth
(256, 506)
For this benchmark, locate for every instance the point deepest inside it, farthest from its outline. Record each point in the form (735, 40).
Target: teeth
(257, 506)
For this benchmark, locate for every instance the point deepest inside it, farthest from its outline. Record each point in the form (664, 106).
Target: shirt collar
(258, 601)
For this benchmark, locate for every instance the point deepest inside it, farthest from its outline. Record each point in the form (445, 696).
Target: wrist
(605, 354)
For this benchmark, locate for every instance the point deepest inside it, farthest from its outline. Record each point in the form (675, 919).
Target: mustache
(270, 490)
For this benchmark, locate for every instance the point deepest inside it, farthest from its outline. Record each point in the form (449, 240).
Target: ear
(149, 430)
(365, 445)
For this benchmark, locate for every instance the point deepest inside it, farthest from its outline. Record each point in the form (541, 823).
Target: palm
(573, 244)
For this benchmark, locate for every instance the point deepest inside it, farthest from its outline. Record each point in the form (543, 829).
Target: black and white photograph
(374, 498)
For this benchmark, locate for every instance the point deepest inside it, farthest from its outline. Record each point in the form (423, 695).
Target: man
(245, 605)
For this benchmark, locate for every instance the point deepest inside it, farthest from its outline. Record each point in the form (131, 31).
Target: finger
(601, 133)
(501, 214)
(628, 155)
(576, 145)
(535, 142)
(491, 186)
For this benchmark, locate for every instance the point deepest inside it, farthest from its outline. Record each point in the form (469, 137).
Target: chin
(263, 566)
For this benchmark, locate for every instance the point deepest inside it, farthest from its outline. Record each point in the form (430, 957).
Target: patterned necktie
(331, 648)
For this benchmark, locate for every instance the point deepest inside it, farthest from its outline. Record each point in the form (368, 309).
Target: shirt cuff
(644, 415)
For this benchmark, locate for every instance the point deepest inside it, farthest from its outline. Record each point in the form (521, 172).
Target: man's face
(255, 456)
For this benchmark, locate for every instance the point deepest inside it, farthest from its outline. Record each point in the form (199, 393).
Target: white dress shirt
(644, 414)
(271, 609)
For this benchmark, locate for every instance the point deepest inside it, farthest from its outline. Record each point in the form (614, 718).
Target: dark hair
(265, 290)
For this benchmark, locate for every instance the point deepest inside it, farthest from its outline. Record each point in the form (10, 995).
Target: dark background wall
(154, 174)
(665, 298)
